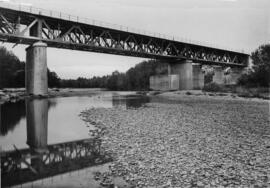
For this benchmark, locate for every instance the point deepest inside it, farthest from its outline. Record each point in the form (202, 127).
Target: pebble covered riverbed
(188, 143)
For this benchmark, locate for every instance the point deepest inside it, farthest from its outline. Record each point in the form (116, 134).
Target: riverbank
(15, 94)
(199, 94)
(188, 141)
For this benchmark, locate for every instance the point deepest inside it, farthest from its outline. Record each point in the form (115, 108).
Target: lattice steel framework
(24, 165)
(26, 28)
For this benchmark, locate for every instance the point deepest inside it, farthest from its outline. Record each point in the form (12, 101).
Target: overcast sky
(238, 24)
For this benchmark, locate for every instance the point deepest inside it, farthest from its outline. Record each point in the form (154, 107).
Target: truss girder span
(27, 28)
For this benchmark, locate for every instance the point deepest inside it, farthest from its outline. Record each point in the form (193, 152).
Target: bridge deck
(28, 25)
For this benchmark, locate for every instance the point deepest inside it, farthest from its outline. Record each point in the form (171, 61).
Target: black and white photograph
(135, 93)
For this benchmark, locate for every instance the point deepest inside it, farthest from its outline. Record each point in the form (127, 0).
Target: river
(174, 140)
(41, 125)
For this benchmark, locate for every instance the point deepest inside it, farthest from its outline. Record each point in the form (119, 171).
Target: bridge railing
(69, 17)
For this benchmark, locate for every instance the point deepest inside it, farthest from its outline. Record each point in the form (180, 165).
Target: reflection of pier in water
(41, 160)
(129, 101)
(24, 165)
(12, 112)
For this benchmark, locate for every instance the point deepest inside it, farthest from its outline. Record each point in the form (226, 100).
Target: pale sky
(238, 24)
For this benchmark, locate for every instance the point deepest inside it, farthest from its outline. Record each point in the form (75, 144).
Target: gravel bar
(188, 143)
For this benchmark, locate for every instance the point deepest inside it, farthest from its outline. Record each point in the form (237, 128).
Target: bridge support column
(36, 79)
(185, 72)
(218, 76)
(190, 75)
(198, 76)
(233, 75)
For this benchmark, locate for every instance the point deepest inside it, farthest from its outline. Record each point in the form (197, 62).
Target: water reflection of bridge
(41, 160)
(21, 166)
(14, 112)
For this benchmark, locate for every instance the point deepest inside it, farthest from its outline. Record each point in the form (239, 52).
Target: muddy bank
(192, 142)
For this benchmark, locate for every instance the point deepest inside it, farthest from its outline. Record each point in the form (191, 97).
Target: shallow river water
(61, 114)
(43, 128)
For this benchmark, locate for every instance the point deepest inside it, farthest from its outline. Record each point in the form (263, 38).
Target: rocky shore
(13, 95)
(188, 142)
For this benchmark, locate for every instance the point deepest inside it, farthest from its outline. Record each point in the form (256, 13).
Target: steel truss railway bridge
(40, 29)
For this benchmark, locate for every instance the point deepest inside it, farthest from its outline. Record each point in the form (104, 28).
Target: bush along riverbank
(187, 143)
(240, 91)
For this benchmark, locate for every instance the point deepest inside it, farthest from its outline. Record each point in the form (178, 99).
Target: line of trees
(136, 78)
(12, 75)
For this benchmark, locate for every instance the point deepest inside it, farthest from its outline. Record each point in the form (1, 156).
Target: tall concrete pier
(36, 79)
(185, 72)
(190, 75)
(198, 76)
(218, 76)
